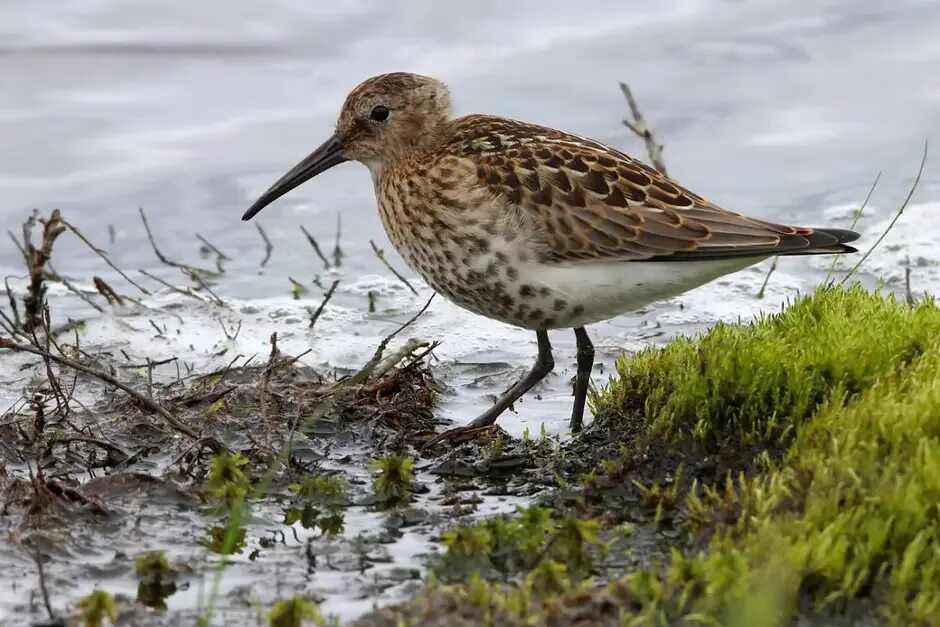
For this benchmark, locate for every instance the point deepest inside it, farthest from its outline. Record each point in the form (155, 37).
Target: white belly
(596, 291)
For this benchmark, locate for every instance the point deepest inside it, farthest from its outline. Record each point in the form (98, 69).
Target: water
(190, 110)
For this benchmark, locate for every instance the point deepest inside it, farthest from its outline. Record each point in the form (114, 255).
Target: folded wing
(590, 202)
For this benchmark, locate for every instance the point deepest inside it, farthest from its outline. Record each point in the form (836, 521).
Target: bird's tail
(818, 242)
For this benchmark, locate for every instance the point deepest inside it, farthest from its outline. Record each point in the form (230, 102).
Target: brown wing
(593, 202)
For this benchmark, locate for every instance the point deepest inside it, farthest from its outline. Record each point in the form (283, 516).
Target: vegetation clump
(156, 579)
(504, 546)
(295, 612)
(757, 382)
(96, 607)
(830, 510)
(228, 483)
(394, 476)
(319, 501)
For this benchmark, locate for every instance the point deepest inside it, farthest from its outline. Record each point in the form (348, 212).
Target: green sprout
(97, 606)
(394, 476)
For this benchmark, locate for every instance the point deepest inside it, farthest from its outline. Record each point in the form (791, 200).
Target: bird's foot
(461, 434)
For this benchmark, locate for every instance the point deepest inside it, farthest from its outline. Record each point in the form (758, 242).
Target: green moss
(757, 382)
(218, 407)
(836, 403)
(850, 380)
(852, 512)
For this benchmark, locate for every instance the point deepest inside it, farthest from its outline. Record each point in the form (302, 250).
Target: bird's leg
(583, 378)
(543, 365)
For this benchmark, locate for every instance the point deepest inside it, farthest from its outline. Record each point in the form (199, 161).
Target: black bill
(320, 160)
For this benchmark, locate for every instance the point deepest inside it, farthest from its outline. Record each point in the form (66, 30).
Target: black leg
(543, 365)
(583, 378)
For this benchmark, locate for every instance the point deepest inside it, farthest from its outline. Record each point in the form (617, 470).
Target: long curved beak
(320, 160)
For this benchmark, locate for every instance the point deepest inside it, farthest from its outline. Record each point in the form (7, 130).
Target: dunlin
(532, 226)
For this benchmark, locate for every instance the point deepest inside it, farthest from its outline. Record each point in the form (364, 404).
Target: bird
(532, 226)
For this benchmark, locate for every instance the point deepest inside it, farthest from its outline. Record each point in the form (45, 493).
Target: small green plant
(297, 289)
(228, 539)
(228, 484)
(319, 502)
(154, 566)
(156, 579)
(394, 476)
(295, 612)
(96, 607)
(574, 542)
(227, 481)
(513, 545)
(218, 407)
(495, 448)
(548, 578)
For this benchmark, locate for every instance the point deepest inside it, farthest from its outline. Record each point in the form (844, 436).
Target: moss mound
(838, 524)
(756, 382)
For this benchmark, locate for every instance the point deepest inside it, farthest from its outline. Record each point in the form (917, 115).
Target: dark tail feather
(807, 242)
(819, 242)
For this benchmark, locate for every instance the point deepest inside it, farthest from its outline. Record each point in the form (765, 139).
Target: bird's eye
(379, 113)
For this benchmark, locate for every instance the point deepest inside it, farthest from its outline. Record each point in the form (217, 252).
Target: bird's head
(384, 118)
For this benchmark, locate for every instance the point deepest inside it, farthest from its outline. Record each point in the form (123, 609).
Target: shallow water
(192, 109)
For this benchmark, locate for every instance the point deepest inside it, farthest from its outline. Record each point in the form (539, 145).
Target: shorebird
(532, 226)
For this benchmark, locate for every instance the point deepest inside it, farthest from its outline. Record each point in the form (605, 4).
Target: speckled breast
(476, 264)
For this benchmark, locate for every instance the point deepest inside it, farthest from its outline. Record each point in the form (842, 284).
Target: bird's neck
(417, 148)
(377, 168)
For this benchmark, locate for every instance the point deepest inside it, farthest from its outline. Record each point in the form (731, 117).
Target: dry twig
(381, 255)
(16, 323)
(770, 271)
(107, 291)
(159, 253)
(337, 251)
(209, 245)
(268, 246)
(907, 199)
(326, 298)
(37, 557)
(219, 255)
(75, 290)
(173, 288)
(316, 247)
(363, 375)
(858, 215)
(273, 358)
(36, 264)
(198, 279)
(103, 376)
(643, 131)
(104, 256)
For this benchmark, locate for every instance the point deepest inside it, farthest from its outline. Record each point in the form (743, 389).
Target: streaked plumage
(532, 226)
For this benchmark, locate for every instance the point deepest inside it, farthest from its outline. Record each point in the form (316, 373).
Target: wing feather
(590, 201)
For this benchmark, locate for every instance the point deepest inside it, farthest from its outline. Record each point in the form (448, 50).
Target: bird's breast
(474, 257)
